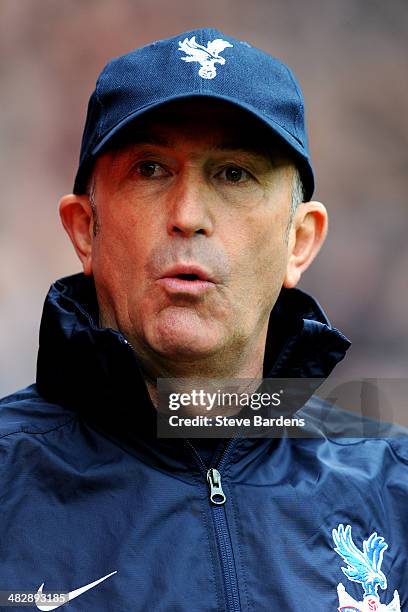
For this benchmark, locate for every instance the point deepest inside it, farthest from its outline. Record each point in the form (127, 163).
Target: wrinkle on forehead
(159, 138)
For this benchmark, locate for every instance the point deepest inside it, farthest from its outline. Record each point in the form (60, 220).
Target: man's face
(191, 250)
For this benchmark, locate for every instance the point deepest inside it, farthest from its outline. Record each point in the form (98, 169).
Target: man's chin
(185, 329)
(178, 339)
(185, 347)
(186, 342)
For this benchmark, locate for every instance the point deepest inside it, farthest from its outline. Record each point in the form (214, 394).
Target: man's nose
(189, 209)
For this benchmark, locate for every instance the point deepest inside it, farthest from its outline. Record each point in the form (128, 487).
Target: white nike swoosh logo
(46, 607)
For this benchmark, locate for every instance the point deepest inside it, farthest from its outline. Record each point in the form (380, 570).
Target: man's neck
(249, 371)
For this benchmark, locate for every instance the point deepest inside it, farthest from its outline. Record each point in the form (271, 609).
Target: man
(193, 220)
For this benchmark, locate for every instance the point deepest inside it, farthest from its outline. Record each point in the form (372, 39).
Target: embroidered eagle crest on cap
(206, 56)
(363, 566)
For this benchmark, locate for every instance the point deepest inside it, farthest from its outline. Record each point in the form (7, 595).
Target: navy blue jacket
(87, 489)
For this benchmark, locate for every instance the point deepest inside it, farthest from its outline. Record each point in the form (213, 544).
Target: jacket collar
(90, 369)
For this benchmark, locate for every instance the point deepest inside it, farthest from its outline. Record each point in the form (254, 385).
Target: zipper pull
(217, 495)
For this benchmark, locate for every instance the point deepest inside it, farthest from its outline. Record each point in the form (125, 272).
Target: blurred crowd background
(351, 59)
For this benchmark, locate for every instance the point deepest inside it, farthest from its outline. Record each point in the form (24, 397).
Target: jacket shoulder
(26, 411)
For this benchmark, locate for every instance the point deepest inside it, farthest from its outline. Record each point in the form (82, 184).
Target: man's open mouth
(188, 279)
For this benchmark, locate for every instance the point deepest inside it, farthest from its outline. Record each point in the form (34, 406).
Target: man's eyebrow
(244, 147)
(142, 138)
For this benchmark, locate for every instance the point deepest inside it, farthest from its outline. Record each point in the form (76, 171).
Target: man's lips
(185, 278)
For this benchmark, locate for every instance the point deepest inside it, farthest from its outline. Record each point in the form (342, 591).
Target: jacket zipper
(217, 500)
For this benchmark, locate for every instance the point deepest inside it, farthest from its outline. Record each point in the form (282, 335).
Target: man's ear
(77, 219)
(306, 236)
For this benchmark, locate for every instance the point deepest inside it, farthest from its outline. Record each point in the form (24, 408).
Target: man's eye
(149, 168)
(234, 174)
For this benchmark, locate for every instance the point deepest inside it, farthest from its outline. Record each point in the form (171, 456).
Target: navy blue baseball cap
(202, 62)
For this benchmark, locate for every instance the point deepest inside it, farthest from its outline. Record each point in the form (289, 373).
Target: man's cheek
(270, 265)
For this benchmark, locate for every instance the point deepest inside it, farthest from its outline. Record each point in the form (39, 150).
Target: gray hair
(90, 192)
(298, 196)
(298, 192)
